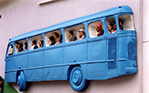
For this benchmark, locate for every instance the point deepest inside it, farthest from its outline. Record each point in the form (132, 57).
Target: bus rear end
(127, 60)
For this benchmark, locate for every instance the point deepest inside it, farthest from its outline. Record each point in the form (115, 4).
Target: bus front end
(127, 55)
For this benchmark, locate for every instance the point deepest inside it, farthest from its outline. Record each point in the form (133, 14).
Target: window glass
(36, 42)
(53, 38)
(96, 29)
(20, 46)
(111, 24)
(75, 33)
(10, 49)
(126, 22)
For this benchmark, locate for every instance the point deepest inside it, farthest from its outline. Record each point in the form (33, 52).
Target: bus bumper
(131, 70)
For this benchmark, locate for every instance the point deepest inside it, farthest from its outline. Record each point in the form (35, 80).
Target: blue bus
(99, 46)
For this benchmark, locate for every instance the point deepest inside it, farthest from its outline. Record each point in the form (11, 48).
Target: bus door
(112, 46)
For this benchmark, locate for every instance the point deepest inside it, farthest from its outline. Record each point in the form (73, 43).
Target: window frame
(117, 25)
(86, 32)
(11, 43)
(37, 42)
(95, 20)
(132, 21)
(15, 46)
(55, 30)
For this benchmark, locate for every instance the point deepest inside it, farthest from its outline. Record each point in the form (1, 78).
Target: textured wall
(20, 16)
(145, 46)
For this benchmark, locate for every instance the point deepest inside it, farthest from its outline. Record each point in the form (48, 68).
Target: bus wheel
(21, 81)
(77, 81)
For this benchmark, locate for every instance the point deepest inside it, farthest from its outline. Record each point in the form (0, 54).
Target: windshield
(126, 22)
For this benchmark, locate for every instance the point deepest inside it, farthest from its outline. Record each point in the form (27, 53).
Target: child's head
(34, 42)
(51, 38)
(110, 27)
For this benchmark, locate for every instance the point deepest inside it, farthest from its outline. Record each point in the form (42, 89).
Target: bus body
(98, 58)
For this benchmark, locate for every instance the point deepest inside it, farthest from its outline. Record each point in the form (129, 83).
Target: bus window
(75, 33)
(10, 50)
(53, 38)
(111, 24)
(96, 29)
(126, 22)
(20, 46)
(36, 42)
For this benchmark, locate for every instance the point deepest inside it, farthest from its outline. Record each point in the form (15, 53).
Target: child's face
(55, 36)
(120, 23)
(49, 40)
(1, 82)
(40, 43)
(114, 26)
(98, 29)
(69, 34)
(80, 33)
(109, 27)
(16, 45)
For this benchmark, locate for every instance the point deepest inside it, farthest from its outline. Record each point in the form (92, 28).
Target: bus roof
(116, 10)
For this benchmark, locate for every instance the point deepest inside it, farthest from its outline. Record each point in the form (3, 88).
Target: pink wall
(21, 16)
(145, 46)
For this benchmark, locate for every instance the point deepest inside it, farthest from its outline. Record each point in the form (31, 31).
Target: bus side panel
(10, 76)
(84, 68)
(53, 58)
(34, 75)
(75, 53)
(97, 50)
(97, 69)
(17, 62)
(9, 64)
(122, 54)
(128, 54)
(20, 61)
(112, 57)
(53, 73)
(65, 72)
(35, 60)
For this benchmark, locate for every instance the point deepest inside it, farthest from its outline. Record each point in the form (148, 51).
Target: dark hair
(71, 32)
(120, 20)
(111, 25)
(61, 39)
(25, 45)
(11, 46)
(52, 38)
(21, 45)
(41, 41)
(56, 34)
(17, 42)
(34, 42)
(83, 32)
(1, 78)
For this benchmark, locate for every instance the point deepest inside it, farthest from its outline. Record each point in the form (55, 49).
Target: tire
(21, 81)
(77, 80)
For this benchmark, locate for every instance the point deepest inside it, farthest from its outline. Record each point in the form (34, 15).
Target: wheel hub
(77, 77)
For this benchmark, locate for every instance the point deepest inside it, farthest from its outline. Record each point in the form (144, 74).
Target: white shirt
(82, 37)
(32, 47)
